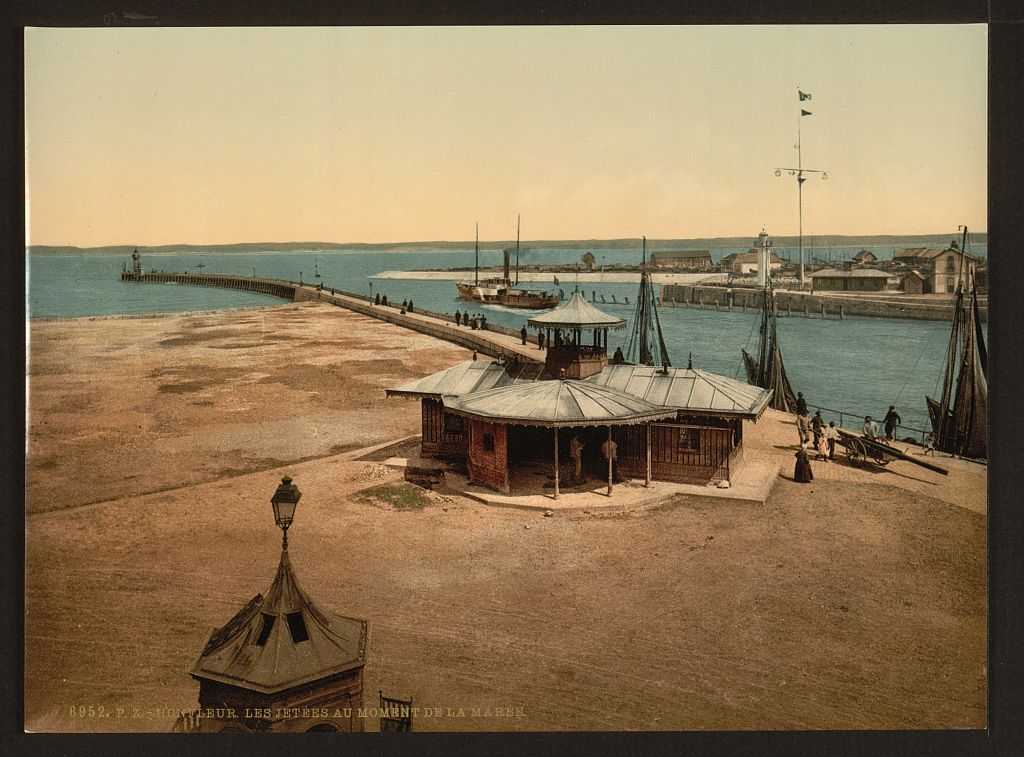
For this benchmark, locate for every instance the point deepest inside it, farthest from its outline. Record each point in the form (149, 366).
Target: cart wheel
(855, 452)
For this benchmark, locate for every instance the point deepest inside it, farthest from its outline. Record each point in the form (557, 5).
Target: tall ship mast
(501, 291)
(960, 416)
(646, 344)
(768, 370)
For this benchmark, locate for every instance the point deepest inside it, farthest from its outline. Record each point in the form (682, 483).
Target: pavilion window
(265, 629)
(488, 442)
(689, 440)
(297, 626)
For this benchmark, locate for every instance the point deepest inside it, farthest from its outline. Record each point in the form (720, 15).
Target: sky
(151, 136)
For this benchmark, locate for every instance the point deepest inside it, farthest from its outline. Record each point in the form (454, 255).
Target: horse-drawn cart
(862, 450)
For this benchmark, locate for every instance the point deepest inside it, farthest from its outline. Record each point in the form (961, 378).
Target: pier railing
(921, 433)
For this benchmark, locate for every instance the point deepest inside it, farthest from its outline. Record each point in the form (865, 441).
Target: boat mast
(476, 248)
(517, 249)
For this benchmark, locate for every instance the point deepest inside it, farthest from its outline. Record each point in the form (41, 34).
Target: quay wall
(438, 325)
(818, 304)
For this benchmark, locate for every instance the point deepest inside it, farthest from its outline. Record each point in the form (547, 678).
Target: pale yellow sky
(158, 136)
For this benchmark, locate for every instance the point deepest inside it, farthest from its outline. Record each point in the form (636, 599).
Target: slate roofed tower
(281, 653)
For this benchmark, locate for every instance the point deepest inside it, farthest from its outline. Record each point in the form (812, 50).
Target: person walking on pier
(405, 303)
(410, 306)
(458, 318)
(540, 340)
(891, 421)
(376, 300)
(522, 334)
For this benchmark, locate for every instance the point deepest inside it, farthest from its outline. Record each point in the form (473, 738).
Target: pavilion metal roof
(576, 313)
(470, 376)
(562, 403)
(688, 390)
(258, 648)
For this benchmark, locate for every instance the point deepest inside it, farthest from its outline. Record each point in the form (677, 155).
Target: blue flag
(803, 96)
(805, 112)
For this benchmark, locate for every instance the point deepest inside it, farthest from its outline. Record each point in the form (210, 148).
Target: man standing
(817, 424)
(801, 404)
(870, 427)
(891, 421)
(831, 436)
(576, 453)
(540, 340)
(522, 333)
(803, 427)
(610, 450)
(458, 318)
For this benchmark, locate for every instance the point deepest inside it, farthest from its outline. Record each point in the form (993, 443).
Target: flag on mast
(803, 95)
(804, 112)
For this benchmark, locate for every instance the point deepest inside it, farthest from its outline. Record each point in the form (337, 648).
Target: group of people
(475, 322)
(821, 439)
(609, 450)
(890, 422)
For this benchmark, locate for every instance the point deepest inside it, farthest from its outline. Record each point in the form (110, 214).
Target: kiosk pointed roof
(282, 640)
(576, 313)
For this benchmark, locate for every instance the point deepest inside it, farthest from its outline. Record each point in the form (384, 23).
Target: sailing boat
(647, 344)
(768, 370)
(960, 417)
(500, 291)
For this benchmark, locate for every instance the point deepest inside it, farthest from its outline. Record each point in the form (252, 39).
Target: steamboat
(501, 291)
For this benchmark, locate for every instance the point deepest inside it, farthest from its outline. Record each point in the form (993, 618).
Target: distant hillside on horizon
(830, 240)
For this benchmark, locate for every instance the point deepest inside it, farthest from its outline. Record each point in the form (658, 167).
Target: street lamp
(285, 500)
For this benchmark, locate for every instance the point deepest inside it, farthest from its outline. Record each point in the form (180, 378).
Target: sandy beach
(155, 444)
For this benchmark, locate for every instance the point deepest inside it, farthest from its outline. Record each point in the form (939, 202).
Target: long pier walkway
(494, 341)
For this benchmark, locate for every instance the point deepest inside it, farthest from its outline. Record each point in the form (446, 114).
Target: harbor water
(856, 365)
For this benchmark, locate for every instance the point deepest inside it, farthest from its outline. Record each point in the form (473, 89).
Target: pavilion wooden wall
(437, 441)
(488, 467)
(715, 457)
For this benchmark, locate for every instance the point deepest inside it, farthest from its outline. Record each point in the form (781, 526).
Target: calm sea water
(858, 365)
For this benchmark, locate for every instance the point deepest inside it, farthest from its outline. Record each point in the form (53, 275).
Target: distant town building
(917, 257)
(949, 268)
(697, 259)
(865, 256)
(856, 280)
(588, 260)
(913, 282)
(746, 262)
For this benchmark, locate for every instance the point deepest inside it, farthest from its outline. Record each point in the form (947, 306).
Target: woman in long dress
(802, 474)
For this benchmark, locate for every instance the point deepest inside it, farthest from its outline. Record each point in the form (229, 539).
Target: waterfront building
(503, 420)
(913, 282)
(690, 259)
(747, 262)
(864, 257)
(854, 280)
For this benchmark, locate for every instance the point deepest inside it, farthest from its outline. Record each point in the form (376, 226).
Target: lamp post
(284, 501)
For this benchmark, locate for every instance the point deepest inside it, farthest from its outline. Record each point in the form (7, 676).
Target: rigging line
(918, 362)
